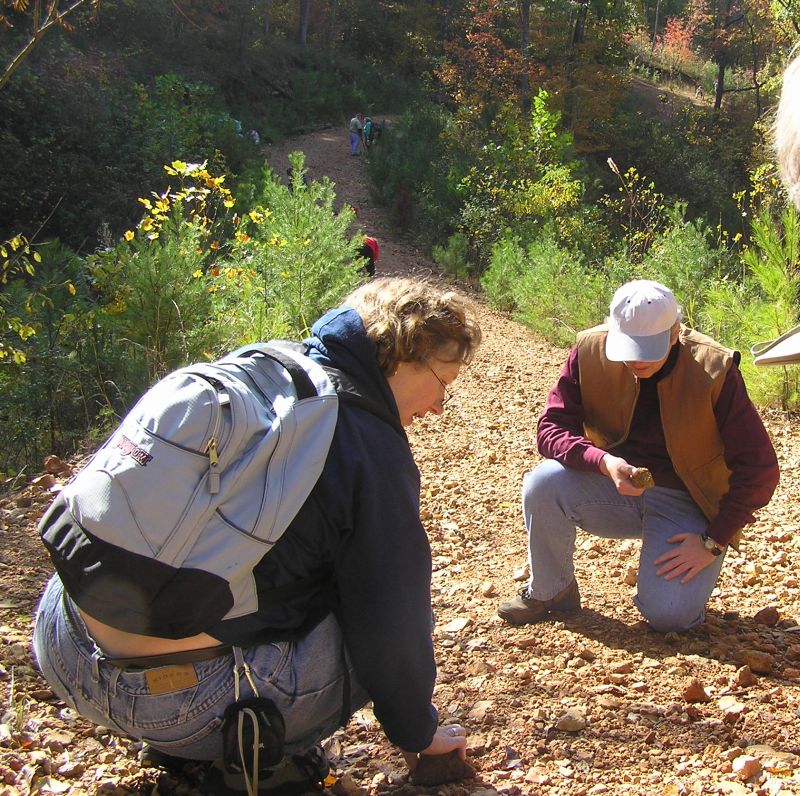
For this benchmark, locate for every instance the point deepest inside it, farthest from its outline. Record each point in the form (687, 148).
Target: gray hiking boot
(525, 610)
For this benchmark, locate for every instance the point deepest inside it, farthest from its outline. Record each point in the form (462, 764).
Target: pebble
(746, 766)
(572, 720)
(767, 616)
(745, 677)
(694, 691)
(758, 661)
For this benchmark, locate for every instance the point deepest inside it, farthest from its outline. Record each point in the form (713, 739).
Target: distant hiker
(644, 396)
(255, 137)
(371, 252)
(356, 133)
(343, 598)
(699, 93)
(369, 131)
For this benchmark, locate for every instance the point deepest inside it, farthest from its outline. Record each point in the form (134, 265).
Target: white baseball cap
(643, 313)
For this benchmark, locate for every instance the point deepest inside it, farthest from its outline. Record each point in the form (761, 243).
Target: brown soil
(596, 703)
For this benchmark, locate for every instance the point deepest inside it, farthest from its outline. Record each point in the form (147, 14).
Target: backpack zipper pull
(213, 463)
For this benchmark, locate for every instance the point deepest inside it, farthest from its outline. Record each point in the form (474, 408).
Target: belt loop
(113, 680)
(96, 655)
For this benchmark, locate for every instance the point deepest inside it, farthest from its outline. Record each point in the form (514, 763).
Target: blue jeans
(556, 499)
(355, 142)
(303, 678)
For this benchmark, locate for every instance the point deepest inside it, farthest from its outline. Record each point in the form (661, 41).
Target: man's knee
(540, 482)
(666, 618)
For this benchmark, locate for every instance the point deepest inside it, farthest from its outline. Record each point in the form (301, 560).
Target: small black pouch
(253, 732)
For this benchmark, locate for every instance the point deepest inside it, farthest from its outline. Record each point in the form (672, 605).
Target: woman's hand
(446, 739)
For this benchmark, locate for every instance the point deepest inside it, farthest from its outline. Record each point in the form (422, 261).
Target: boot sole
(562, 609)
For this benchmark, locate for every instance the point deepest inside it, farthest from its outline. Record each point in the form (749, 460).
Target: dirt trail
(593, 705)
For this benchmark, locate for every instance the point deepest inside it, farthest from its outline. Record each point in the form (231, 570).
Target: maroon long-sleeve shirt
(749, 454)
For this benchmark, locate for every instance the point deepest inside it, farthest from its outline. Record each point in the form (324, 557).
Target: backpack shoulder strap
(303, 385)
(347, 388)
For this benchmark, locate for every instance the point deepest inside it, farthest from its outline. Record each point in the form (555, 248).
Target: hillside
(592, 705)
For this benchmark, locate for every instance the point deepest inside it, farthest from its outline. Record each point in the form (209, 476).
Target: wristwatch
(712, 545)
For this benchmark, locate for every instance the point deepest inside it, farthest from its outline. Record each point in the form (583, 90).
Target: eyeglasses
(447, 394)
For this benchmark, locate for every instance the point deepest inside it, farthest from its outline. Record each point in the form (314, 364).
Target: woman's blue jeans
(556, 499)
(303, 678)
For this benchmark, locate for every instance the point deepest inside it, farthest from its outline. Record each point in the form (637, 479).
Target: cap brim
(627, 348)
(785, 350)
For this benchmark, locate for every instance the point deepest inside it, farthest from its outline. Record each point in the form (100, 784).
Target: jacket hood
(340, 339)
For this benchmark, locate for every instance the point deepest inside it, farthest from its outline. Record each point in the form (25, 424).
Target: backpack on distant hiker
(201, 479)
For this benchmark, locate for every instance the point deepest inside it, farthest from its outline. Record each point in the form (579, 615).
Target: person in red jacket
(371, 252)
(644, 391)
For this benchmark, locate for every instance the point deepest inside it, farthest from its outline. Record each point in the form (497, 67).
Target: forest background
(546, 151)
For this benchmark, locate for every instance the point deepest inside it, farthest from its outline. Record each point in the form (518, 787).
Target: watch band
(712, 545)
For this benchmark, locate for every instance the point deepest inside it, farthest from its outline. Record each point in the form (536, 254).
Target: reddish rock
(693, 691)
(767, 616)
(438, 769)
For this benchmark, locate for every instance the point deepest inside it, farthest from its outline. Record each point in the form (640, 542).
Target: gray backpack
(212, 464)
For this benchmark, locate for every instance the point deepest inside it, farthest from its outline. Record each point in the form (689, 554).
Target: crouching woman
(358, 629)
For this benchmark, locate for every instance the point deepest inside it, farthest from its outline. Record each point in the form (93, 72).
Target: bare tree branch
(41, 24)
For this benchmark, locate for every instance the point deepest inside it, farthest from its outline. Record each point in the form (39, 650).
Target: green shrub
(500, 279)
(155, 297)
(410, 173)
(291, 260)
(683, 259)
(556, 295)
(762, 305)
(453, 256)
(55, 390)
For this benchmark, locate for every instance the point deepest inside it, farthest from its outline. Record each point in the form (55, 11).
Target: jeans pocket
(201, 741)
(270, 667)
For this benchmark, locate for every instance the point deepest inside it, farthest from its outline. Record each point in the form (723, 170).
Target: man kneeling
(644, 392)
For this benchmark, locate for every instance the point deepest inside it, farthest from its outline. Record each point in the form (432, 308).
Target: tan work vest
(686, 397)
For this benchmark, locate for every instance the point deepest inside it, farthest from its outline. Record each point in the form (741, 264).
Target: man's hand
(688, 558)
(446, 739)
(620, 472)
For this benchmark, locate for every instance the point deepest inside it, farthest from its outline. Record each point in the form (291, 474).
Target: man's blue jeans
(303, 678)
(355, 142)
(556, 499)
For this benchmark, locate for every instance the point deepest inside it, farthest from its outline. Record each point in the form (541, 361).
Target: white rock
(746, 766)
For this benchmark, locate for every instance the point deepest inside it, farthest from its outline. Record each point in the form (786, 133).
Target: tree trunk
(579, 31)
(578, 36)
(655, 27)
(267, 4)
(332, 25)
(719, 83)
(756, 86)
(524, 45)
(302, 25)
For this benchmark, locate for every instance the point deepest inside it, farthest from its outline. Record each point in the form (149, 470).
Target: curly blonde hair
(787, 130)
(411, 320)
